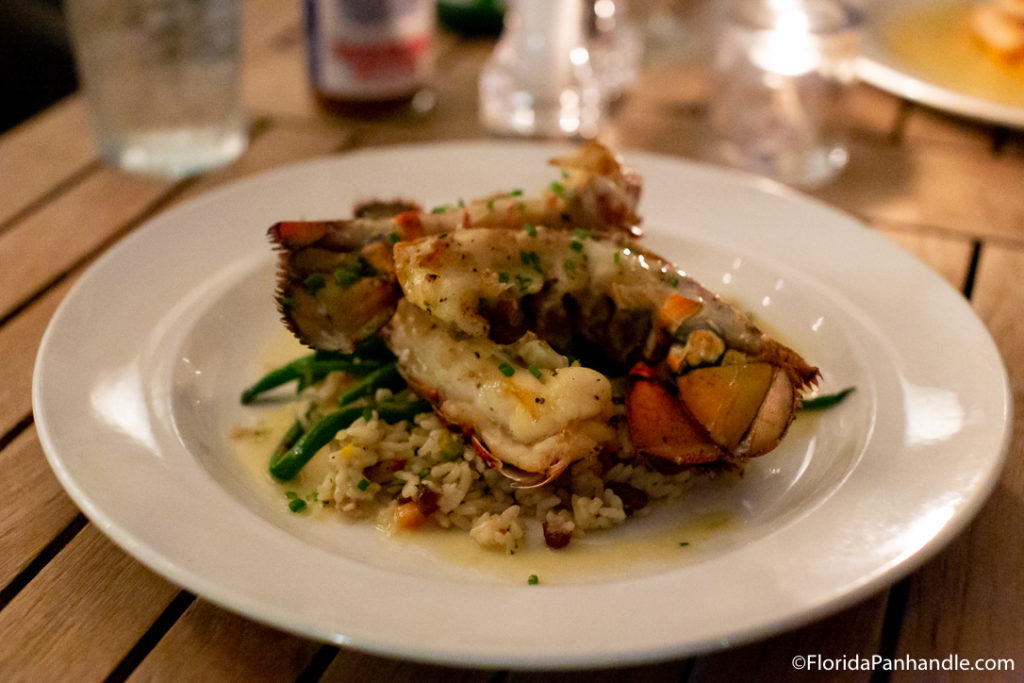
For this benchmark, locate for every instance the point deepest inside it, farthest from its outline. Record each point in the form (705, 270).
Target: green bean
(288, 464)
(285, 466)
(384, 376)
(288, 440)
(396, 411)
(826, 400)
(307, 370)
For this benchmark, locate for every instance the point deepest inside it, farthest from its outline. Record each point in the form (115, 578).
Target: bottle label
(369, 49)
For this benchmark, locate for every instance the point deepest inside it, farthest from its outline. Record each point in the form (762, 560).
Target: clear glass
(539, 82)
(162, 78)
(782, 76)
(614, 45)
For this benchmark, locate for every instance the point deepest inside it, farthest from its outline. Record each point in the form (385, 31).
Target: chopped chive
(287, 301)
(530, 229)
(618, 255)
(314, 283)
(297, 505)
(442, 235)
(533, 580)
(442, 208)
(673, 281)
(534, 371)
(683, 544)
(363, 484)
(353, 272)
(515, 193)
(490, 205)
(558, 188)
(576, 246)
(580, 233)
(503, 277)
(569, 264)
(506, 369)
(532, 259)
(394, 238)
(523, 283)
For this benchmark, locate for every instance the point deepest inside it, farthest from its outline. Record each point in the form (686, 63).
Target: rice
(408, 475)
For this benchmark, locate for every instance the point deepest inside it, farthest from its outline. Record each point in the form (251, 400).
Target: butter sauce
(668, 537)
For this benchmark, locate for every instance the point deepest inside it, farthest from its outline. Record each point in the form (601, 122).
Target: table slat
(33, 506)
(81, 614)
(224, 647)
(40, 248)
(42, 153)
(19, 341)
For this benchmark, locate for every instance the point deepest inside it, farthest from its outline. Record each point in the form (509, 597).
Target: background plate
(954, 76)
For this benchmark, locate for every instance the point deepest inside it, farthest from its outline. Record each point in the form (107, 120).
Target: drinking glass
(162, 78)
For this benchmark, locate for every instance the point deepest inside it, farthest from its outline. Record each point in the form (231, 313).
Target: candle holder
(782, 73)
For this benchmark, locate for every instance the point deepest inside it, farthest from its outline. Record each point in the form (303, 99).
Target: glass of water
(163, 81)
(782, 74)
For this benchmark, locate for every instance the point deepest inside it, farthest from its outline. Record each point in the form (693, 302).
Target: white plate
(881, 67)
(137, 383)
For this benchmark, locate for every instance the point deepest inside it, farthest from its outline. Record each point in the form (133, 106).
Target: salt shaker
(539, 81)
(782, 74)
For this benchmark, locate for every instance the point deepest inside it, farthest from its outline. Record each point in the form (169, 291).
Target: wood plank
(929, 126)
(33, 507)
(45, 244)
(949, 255)
(947, 187)
(264, 22)
(855, 632)
(873, 111)
(351, 666)
(663, 672)
(42, 153)
(19, 341)
(967, 601)
(224, 647)
(81, 614)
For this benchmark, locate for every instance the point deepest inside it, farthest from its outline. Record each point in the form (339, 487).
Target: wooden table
(73, 606)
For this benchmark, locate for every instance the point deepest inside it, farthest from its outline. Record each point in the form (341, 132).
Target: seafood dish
(515, 362)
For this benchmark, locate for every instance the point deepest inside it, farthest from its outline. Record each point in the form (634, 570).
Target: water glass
(162, 78)
(782, 74)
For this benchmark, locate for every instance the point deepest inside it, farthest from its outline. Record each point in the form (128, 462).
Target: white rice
(406, 476)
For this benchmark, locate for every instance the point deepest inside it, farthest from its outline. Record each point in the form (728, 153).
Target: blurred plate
(137, 421)
(922, 50)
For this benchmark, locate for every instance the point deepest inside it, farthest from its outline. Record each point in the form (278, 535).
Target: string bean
(285, 466)
(825, 400)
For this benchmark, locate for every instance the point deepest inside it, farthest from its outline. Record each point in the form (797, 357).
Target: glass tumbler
(163, 81)
(782, 73)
